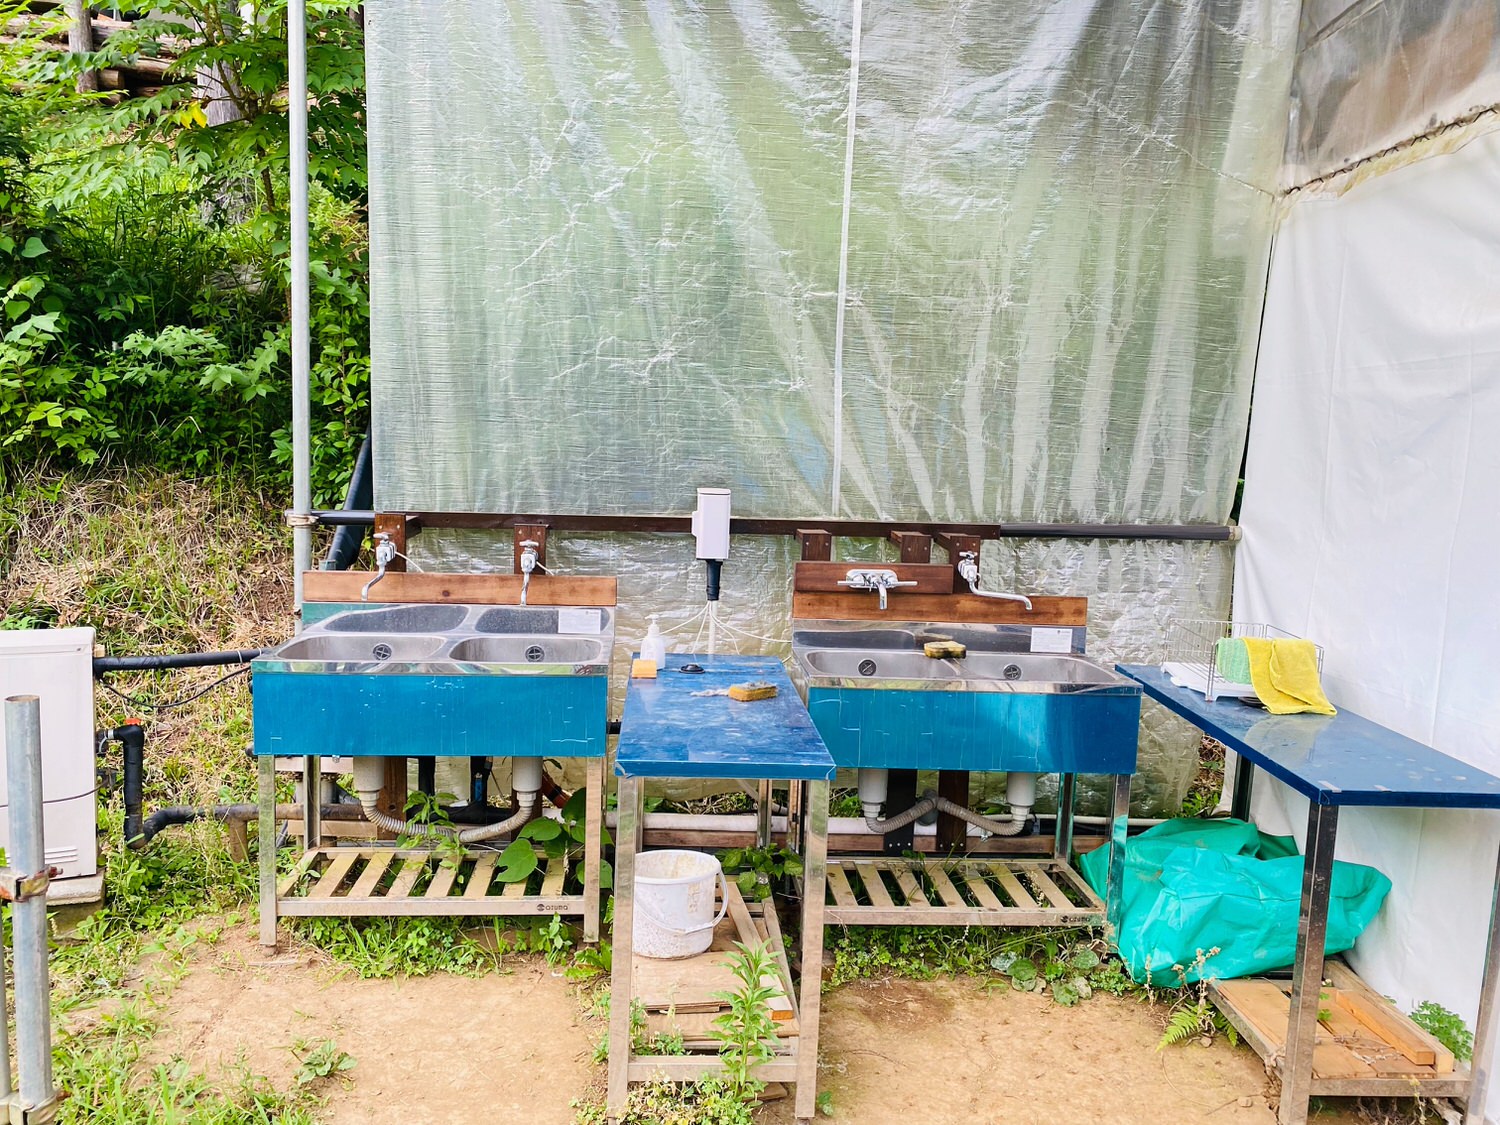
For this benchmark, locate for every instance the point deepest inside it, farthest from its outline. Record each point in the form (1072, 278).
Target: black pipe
(349, 536)
(427, 775)
(858, 529)
(106, 664)
(132, 740)
(715, 572)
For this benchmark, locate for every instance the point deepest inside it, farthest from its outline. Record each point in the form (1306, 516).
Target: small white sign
(580, 621)
(1052, 640)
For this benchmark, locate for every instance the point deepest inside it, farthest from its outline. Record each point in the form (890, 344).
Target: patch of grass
(382, 948)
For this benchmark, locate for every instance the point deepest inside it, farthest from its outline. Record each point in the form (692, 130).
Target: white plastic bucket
(674, 903)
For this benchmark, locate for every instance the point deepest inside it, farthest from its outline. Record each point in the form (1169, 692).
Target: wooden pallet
(684, 996)
(1364, 1046)
(382, 882)
(888, 891)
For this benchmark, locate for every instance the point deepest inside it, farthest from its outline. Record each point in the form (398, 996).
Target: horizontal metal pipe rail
(877, 529)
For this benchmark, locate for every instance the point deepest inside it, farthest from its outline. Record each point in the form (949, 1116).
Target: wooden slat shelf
(1364, 1046)
(375, 881)
(889, 891)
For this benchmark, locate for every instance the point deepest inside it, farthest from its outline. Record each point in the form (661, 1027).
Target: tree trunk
(81, 42)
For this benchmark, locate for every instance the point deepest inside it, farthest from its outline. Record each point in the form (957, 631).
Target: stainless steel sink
(439, 680)
(371, 647)
(531, 649)
(879, 701)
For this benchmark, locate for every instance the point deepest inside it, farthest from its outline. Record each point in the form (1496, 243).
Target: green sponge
(1232, 660)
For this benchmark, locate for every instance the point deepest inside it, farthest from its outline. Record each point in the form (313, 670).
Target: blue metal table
(681, 725)
(1337, 760)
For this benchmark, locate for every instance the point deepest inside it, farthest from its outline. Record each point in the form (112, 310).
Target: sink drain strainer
(535, 654)
(381, 652)
(1012, 672)
(867, 667)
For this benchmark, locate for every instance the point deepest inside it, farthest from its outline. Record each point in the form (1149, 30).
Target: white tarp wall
(965, 260)
(1370, 519)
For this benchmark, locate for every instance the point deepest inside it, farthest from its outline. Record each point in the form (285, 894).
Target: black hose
(103, 665)
(132, 740)
(349, 536)
(715, 572)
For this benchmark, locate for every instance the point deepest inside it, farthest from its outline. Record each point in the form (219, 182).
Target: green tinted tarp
(1217, 899)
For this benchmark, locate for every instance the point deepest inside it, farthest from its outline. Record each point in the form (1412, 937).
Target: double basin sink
(440, 680)
(879, 701)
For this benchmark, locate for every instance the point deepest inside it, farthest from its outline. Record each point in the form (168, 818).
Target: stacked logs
(139, 77)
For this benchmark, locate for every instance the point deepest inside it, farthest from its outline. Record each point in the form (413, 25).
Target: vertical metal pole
(1307, 968)
(312, 802)
(23, 742)
(593, 848)
(621, 981)
(1484, 1024)
(1119, 830)
(1244, 785)
(1062, 837)
(267, 825)
(764, 805)
(810, 979)
(296, 58)
(5, 1080)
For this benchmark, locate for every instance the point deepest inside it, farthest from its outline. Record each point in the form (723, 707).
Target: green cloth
(1196, 885)
(1232, 660)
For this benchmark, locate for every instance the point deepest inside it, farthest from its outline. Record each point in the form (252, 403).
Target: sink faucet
(528, 564)
(968, 570)
(879, 580)
(385, 551)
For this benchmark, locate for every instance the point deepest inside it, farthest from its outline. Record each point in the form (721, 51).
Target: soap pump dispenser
(654, 648)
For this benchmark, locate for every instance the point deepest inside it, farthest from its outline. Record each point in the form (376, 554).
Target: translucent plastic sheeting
(622, 251)
(609, 263)
(1371, 74)
(1135, 591)
(1370, 524)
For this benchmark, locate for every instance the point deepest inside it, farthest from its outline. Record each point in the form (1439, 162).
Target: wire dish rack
(1192, 645)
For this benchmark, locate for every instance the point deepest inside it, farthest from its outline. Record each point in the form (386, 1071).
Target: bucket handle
(723, 909)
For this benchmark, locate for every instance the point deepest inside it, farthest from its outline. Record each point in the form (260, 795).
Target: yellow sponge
(642, 669)
(941, 649)
(758, 690)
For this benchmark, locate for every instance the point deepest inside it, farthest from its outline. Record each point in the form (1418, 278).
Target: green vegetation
(143, 279)
(1448, 1028)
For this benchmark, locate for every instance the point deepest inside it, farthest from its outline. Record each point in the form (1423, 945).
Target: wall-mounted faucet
(529, 549)
(385, 552)
(878, 580)
(968, 570)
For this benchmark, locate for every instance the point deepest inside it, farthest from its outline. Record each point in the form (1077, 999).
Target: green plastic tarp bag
(1217, 899)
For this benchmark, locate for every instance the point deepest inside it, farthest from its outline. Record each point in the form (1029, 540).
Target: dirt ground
(517, 1046)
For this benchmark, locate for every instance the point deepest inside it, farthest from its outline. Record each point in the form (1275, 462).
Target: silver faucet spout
(881, 581)
(528, 564)
(385, 551)
(968, 570)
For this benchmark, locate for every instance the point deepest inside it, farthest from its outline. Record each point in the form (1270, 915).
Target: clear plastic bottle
(654, 647)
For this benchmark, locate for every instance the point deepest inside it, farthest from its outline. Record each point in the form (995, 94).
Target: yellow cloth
(1284, 674)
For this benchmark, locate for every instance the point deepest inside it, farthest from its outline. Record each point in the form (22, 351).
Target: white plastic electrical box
(711, 523)
(58, 666)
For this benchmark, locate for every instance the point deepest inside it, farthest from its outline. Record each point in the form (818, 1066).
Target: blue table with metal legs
(682, 725)
(1333, 761)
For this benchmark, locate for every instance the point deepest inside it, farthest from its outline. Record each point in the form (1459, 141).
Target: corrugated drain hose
(525, 802)
(882, 825)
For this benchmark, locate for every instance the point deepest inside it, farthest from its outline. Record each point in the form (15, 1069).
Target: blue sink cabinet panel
(979, 731)
(304, 714)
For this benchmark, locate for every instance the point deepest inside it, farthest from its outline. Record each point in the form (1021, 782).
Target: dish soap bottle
(654, 647)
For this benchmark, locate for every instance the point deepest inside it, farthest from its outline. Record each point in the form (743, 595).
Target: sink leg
(312, 802)
(267, 832)
(593, 848)
(1062, 842)
(622, 982)
(1119, 826)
